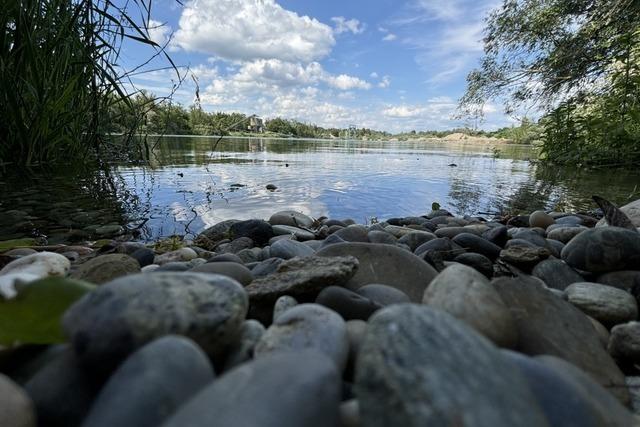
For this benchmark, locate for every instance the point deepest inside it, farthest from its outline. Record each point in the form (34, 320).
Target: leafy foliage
(579, 62)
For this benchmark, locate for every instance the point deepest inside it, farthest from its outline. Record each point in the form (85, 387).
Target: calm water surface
(185, 186)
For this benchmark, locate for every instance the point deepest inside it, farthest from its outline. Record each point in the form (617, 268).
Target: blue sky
(383, 64)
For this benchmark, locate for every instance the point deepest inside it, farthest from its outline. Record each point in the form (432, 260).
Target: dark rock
(478, 262)
(468, 296)
(230, 269)
(257, 230)
(149, 385)
(236, 245)
(62, 391)
(298, 233)
(174, 266)
(381, 237)
(608, 305)
(531, 236)
(624, 343)
(443, 248)
(383, 294)
(144, 256)
(477, 244)
(604, 249)
(291, 218)
(279, 390)
(385, 264)
(266, 267)
(346, 303)
(566, 402)
(332, 222)
(228, 257)
(519, 221)
(108, 324)
(524, 257)
(353, 233)
(556, 274)
(307, 327)
(212, 235)
(627, 280)
(332, 240)
(287, 249)
(451, 232)
(549, 325)
(565, 234)
(301, 278)
(555, 247)
(437, 213)
(104, 268)
(497, 235)
(355, 334)
(415, 239)
(419, 366)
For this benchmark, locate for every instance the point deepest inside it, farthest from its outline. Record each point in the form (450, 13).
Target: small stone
(183, 254)
(624, 343)
(105, 268)
(565, 234)
(283, 304)
(524, 257)
(230, 269)
(353, 233)
(307, 327)
(242, 351)
(346, 303)
(381, 237)
(540, 219)
(271, 187)
(292, 218)
(606, 304)
(478, 262)
(287, 230)
(604, 249)
(109, 230)
(257, 230)
(416, 238)
(383, 294)
(477, 244)
(287, 249)
(228, 257)
(266, 267)
(556, 274)
(497, 235)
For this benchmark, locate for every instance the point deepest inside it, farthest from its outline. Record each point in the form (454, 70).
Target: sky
(394, 65)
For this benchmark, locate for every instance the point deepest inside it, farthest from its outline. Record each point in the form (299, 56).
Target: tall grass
(59, 74)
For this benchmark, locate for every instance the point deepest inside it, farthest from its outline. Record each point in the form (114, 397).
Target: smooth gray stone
(540, 219)
(287, 249)
(283, 304)
(314, 244)
(497, 235)
(549, 325)
(236, 246)
(230, 269)
(175, 266)
(307, 326)
(281, 237)
(565, 234)
(442, 247)
(330, 222)
(332, 240)
(419, 366)
(602, 401)
(451, 232)
(415, 239)
(151, 384)
(62, 391)
(565, 402)
(477, 244)
(355, 332)
(608, 305)
(531, 236)
(624, 343)
(291, 218)
(144, 256)
(556, 274)
(104, 268)
(381, 237)
(438, 212)
(266, 267)
(520, 242)
(16, 407)
(346, 303)
(468, 296)
(604, 249)
(242, 351)
(109, 323)
(279, 390)
(569, 220)
(478, 262)
(385, 264)
(216, 233)
(250, 255)
(298, 233)
(228, 257)
(383, 294)
(555, 247)
(353, 233)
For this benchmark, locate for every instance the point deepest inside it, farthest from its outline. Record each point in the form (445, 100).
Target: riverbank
(325, 321)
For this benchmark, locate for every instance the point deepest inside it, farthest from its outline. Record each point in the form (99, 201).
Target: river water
(185, 186)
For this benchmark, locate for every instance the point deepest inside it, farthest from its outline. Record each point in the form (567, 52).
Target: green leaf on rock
(33, 316)
(435, 206)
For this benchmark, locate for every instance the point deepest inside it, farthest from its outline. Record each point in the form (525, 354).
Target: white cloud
(343, 25)
(389, 37)
(345, 82)
(158, 32)
(247, 30)
(374, 75)
(385, 82)
(403, 111)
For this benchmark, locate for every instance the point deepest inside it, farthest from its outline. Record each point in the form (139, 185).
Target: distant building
(256, 124)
